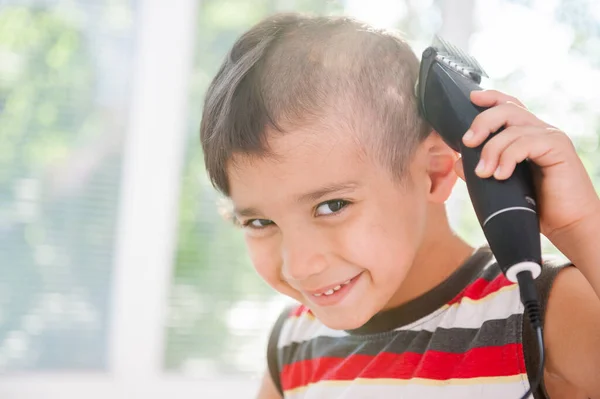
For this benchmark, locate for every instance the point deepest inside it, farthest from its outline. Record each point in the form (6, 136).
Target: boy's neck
(442, 253)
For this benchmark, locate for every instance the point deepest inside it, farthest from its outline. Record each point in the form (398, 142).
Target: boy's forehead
(298, 161)
(312, 146)
(325, 136)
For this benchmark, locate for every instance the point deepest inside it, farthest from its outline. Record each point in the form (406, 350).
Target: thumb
(458, 168)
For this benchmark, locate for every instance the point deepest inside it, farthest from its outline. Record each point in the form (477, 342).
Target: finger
(516, 152)
(491, 120)
(543, 149)
(459, 169)
(490, 98)
(492, 150)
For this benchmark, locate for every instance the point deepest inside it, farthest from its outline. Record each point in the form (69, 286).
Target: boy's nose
(302, 258)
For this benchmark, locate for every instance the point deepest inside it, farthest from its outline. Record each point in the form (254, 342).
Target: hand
(565, 192)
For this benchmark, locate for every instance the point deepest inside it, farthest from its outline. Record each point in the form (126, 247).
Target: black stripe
(453, 340)
(491, 272)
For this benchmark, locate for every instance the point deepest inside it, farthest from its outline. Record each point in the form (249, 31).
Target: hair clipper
(506, 209)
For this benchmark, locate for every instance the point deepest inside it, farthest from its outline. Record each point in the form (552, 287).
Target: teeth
(334, 289)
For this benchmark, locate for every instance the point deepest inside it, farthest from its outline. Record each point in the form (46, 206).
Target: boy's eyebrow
(246, 212)
(314, 196)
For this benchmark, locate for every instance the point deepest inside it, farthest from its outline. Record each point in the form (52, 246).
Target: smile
(334, 289)
(332, 295)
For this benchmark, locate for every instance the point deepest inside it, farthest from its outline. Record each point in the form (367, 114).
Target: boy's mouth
(333, 293)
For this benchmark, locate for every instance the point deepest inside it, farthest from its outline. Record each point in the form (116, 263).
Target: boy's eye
(258, 223)
(330, 207)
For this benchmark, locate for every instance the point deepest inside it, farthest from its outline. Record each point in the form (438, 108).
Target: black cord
(530, 301)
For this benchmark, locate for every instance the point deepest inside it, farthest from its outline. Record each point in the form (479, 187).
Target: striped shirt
(466, 338)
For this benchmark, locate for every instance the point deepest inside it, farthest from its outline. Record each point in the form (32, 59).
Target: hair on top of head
(292, 70)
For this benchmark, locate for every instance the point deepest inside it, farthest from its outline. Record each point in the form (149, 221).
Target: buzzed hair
(292, 70)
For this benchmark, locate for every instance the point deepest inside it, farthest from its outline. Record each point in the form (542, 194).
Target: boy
(312, 130)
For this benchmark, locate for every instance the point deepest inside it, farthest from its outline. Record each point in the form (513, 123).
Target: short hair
(292, 70)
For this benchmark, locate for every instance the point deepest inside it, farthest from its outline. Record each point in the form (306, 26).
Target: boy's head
(311, 128)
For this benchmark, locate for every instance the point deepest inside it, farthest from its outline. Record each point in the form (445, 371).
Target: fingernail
(497, 172)
(468, 135)
(480, 166)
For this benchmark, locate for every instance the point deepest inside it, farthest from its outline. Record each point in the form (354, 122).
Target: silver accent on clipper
(457, 59)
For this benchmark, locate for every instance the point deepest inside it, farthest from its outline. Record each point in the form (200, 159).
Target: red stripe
(495, 361)
(299, 311)
(481, 288)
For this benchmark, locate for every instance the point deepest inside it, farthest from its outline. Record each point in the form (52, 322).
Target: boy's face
(327, 226)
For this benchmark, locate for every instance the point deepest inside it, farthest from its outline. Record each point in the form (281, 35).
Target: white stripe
(303, 328)
(398, 390)
(465, 314)
(472, 314)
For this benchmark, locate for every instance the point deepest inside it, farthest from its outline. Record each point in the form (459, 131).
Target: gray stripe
(453, 340)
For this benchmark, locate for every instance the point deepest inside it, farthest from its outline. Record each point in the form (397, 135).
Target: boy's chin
(342, 319)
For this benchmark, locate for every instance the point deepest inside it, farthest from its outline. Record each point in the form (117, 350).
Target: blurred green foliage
(59, 199)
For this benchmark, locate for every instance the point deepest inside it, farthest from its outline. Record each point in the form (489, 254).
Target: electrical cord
(529, 298)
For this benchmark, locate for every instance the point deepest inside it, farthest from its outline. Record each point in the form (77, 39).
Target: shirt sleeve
(272, 349)
(543, 283)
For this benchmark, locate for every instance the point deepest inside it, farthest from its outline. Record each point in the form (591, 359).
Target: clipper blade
(457, 59)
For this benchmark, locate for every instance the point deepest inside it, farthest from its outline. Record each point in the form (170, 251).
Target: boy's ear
(440, 161)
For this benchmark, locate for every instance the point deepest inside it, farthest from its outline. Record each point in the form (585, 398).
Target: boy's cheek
(266, 261)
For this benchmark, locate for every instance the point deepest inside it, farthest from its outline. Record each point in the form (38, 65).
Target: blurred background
(118, 277)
